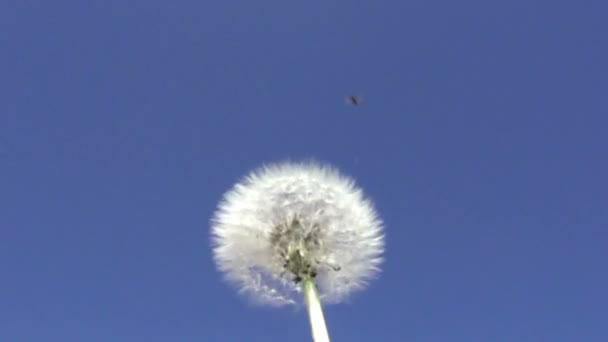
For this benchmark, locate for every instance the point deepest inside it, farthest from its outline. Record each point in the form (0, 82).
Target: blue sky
(482, 141)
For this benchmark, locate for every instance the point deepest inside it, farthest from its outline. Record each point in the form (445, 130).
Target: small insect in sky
(354, 100)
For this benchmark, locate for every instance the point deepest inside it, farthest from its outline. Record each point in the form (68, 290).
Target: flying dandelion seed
(297, 228)
(354, 100)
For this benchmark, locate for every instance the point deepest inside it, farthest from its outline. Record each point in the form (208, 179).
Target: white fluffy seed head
(287, 221)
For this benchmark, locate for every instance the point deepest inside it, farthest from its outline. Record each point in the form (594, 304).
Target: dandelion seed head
(287, 221)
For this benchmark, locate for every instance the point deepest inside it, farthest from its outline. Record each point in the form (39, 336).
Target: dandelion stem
(315, 311)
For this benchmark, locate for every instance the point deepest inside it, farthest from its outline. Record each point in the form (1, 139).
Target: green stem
(315, 311)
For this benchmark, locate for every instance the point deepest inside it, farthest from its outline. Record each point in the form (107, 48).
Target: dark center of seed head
(293, 244)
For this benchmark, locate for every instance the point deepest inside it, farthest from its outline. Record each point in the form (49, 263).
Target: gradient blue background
(482, 140)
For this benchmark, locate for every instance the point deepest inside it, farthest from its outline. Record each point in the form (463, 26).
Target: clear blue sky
(482, 141)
